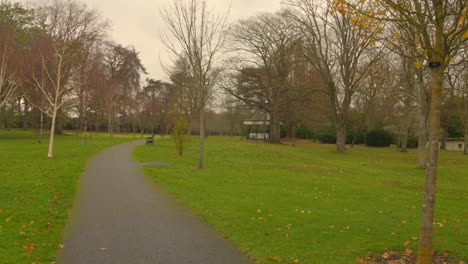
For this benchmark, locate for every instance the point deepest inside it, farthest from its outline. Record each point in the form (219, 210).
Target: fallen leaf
(361, 260)
(286, 236)
(386, 255)
(409, 252)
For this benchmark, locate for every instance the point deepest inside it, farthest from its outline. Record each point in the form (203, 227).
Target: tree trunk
(425, 241)
(109, 124)
(404, 141)
(85, 129)
(404, 136)
(444, 123)
(275, 132)
(465, 151)
(422, 121)
(134, 128)
(202, 139)
(52, 135)
(294, 136)
(341, 137)
(275, 127)
(41, 128)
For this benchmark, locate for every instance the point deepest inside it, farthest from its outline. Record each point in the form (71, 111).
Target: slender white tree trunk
(52, 134)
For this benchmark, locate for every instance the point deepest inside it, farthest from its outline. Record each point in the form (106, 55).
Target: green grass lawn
(37, 193)
(310, 204)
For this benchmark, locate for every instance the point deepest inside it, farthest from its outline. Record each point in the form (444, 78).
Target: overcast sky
(137, 23)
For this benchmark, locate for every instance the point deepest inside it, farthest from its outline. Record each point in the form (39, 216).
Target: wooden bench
(150, 140)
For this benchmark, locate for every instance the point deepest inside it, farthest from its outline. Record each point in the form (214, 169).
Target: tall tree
(196, 36)
(442, 28)
(69, 26)
(338, 46)
(8, 84)
(123, 69)
(272, 76)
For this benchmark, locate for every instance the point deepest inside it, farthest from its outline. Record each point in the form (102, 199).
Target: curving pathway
(121, 217)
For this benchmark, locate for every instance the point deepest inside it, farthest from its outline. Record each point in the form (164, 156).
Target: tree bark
(404, 136)
(275, 131)
(425, 241)
(443, 140)
(294, 136)
(465, 150)
(422, 121)
(52, 135)
(85, 130)
(41, 128)
(134, 127)
(341, 137)
(202, 139)
(109, 124)
(275, 126)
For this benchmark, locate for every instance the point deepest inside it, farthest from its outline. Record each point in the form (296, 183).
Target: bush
(327, 135)
(303, 132)
(379, 138)
(180, 128)
(360, 138)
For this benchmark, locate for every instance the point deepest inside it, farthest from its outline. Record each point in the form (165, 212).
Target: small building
(455, 145)
(256, 129)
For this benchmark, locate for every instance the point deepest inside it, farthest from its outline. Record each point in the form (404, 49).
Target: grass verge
(310, 204)
(36, 193)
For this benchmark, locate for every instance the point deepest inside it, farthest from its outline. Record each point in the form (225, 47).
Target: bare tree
(338, 46)
(69, 26)
(197, 36)
(8, 84)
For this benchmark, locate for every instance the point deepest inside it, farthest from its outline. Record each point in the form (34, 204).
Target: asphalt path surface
(121, 217)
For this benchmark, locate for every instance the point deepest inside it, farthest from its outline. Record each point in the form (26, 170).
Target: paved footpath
(121, 217)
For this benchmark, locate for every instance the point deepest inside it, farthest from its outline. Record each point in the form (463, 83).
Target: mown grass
(36, 193)
(310, 204)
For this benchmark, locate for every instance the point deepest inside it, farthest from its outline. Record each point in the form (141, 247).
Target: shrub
(360, 138)
(303, 132)
(327, 135)
(179, 132)
(379, 138)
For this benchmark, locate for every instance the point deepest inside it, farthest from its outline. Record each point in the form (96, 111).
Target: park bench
(150, 140)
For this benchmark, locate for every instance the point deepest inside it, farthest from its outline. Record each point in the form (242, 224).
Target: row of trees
(57, 62)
